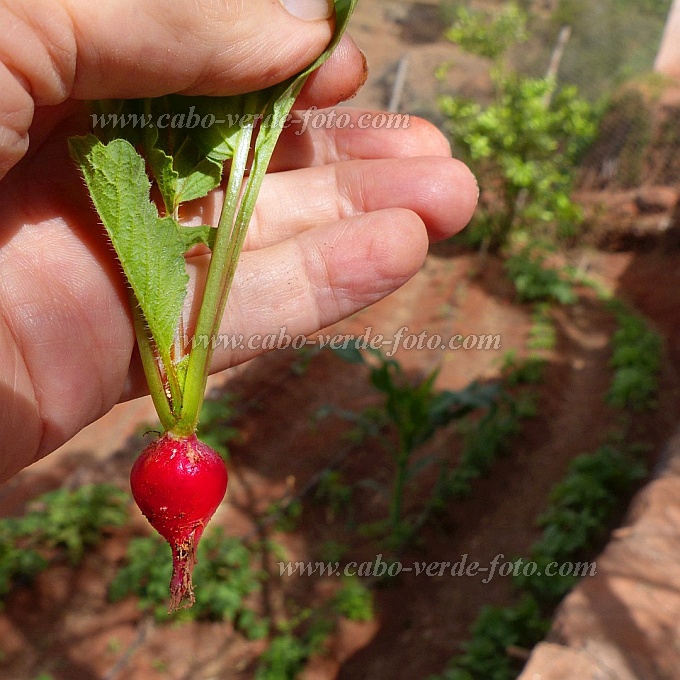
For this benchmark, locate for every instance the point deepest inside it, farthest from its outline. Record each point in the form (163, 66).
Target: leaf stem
(220, 274)
(151, 368)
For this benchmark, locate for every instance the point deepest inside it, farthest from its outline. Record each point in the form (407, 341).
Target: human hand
(336, 200)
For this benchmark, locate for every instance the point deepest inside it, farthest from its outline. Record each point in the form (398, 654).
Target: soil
(63, 624)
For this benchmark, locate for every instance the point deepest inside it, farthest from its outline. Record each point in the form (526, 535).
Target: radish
(178, 483)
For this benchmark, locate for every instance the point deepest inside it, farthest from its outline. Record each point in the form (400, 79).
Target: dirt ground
(64, 626)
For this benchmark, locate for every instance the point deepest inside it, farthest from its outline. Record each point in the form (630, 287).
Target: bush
(524, 146)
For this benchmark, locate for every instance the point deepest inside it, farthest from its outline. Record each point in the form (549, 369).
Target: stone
(554, 662)
(656, 199)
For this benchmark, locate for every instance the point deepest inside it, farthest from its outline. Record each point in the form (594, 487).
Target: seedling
(416, 411)
(636, 360)
(185, 164)
(58, 522)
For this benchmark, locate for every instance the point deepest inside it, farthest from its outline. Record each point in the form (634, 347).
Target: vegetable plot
(184, 164)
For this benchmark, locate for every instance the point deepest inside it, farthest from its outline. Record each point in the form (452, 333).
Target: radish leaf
(150, 249)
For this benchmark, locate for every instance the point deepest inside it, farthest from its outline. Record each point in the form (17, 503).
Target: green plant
(580, 508)
(415, 411)
(523, 146)
(495, 630)
(58, 522)
(636, 359)
(227, 575)
(332, 551)
(542, 334)
(536, 282)
(215, 427)
(73, 519)
(354, 600)
(288, 651)
(285, 513)
(332, 491)
(484, 440)
(17, 562)
(521, 371)
(488, 35)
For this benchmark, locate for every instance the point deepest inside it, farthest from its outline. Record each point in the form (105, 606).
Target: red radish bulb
(178, 483)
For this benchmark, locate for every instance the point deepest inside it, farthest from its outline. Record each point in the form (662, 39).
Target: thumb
(60, 49)
(132, 48)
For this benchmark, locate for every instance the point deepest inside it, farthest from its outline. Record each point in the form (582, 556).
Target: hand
(343, 219)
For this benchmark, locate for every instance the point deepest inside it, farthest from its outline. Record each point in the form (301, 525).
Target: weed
(485, 657)
(58, 522)
(354, 600)
(288, 650)
(536, 282)
(332, 491)
(542, 334)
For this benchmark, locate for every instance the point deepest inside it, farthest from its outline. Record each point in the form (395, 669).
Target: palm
(335, 200)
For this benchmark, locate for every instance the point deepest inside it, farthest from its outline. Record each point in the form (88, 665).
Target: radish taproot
(178, 484)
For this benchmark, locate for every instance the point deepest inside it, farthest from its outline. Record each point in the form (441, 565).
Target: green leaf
(193, 236)
(350, 354)
(275, 103)
(179, 166)
(215, 136)
(150, 249)
(199, 180)
(167, 178)
(117, 118)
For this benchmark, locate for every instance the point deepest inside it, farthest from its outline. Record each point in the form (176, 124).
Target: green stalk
(151, 368)
(222, 263)
(232, 227)
(403, 456)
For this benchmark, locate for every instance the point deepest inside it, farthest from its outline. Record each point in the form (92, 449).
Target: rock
(554, 662)
(655, 199)
(622, 622)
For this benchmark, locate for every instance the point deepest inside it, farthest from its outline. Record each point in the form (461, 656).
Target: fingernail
(311, 10)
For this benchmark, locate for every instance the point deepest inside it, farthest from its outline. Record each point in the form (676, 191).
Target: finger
(317, 137)
(442, 191)
(323, 275)
(129, 48)
(285, 197)
(143, 48)
(338, 79)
